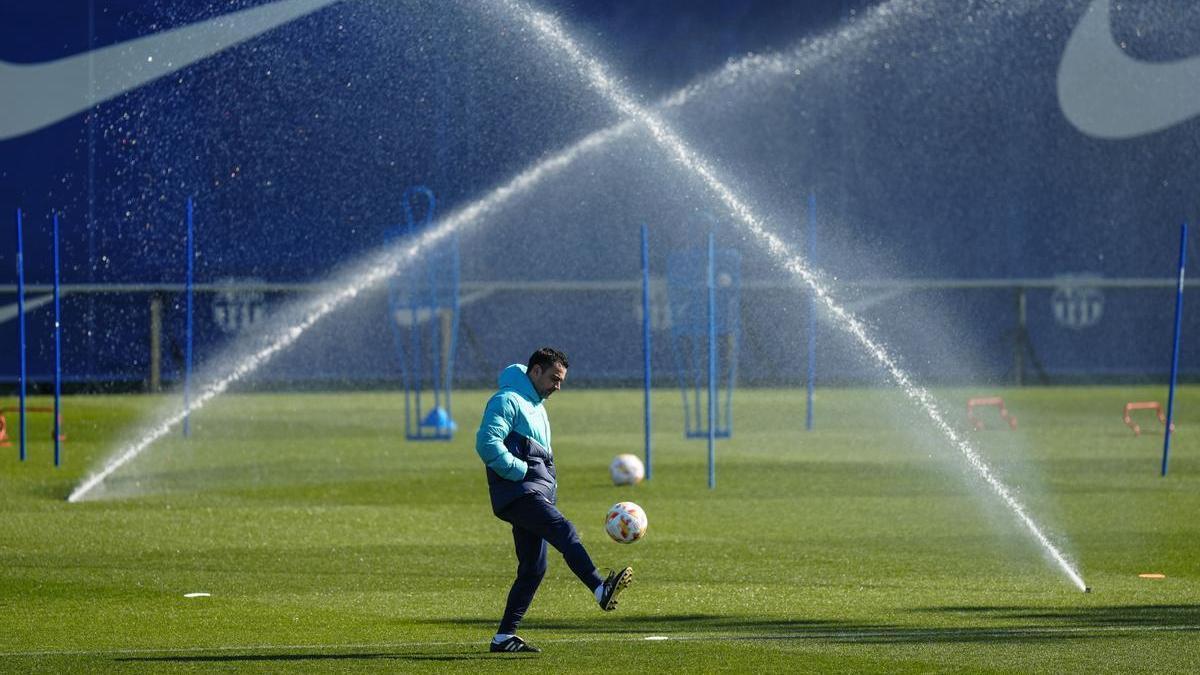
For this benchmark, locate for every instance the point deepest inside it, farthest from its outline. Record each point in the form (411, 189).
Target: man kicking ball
(514, 442)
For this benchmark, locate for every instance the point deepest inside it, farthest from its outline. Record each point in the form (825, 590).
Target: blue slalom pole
(21, 327)
(21, 348)
(188, 335)
(1175, 346)
(812, 313)
(57, 351)
(646, 342)
(712, 362)
(455, 288)
(435, 341)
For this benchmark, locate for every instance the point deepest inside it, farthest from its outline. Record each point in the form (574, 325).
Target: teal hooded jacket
(514, 440)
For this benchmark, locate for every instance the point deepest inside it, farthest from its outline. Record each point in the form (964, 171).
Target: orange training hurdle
(996, 401)
(6, 442)
(1144, 405)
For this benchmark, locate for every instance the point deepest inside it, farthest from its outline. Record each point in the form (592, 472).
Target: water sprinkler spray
(610, 88)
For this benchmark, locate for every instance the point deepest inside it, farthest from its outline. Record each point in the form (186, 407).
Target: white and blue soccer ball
(627, 470)
(626, 522)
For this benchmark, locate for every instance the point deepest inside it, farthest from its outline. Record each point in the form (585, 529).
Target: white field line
(814, 635)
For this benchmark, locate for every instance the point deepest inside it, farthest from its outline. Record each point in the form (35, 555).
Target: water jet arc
(805, 55)
(625, 104)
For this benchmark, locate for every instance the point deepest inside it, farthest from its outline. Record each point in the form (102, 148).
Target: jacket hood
(514, 377)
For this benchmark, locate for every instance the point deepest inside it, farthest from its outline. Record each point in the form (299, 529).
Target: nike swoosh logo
(1106, 93)
(33, 96)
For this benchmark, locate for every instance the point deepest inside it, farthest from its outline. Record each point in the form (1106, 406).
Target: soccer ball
(626, 522)
(627, 470)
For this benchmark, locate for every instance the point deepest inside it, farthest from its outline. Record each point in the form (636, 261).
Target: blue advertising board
(999, 185)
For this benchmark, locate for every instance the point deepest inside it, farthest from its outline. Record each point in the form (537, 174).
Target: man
(514, 443)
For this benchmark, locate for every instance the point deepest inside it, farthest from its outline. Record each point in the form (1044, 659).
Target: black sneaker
(614, 583)
(513, 644)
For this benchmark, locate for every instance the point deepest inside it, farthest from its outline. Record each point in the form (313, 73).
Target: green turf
(329, 543)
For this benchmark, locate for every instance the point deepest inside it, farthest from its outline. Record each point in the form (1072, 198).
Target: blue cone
(439, 419)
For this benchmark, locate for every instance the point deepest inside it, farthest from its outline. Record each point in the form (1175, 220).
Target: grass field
(328, 543)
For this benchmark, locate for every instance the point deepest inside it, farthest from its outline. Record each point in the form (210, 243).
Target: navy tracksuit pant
(536, 522)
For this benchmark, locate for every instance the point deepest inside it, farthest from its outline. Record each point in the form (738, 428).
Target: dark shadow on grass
(1149, 616)
(363, 656)
(982, 625)
(1026, 625)
(657, 624)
